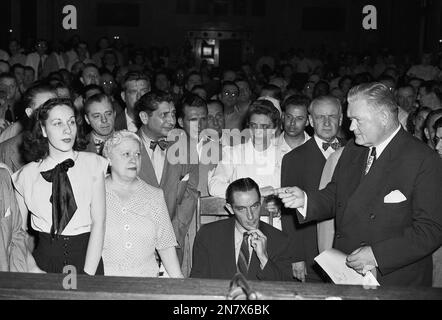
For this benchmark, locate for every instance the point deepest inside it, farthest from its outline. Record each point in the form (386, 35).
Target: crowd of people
(103, 156)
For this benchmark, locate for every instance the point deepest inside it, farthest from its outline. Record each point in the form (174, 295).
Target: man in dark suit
(135, 84)
(178, 179)
(385, 194)
(99, 113)
(241, 243)
(302, 167)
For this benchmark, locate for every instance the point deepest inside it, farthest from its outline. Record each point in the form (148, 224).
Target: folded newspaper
(333, 263)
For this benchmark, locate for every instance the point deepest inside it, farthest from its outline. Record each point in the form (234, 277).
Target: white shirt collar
(381, 147)
(131, 125)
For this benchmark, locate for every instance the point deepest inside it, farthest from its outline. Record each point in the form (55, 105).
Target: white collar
(381, 146)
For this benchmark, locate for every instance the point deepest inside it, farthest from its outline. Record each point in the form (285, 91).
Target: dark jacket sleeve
(200, 259)
(278, 267)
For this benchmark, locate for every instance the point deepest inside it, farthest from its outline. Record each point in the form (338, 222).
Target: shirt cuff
(303, 209)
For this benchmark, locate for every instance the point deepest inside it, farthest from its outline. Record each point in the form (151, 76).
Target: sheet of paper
(333, 263)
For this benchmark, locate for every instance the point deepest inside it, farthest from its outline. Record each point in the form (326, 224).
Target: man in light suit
(242, 243)
(302, 167)
(179, 181)
(385, 194)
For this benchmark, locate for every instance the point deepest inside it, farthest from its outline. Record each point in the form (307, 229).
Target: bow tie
(99, 144)
(163, 144)
(334, 145)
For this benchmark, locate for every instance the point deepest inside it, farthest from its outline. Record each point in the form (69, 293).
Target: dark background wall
(274, 24)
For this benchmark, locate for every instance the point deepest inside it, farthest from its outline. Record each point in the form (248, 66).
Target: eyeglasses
(232, 94)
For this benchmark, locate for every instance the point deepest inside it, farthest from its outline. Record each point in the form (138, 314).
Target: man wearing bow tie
(179, 181)
(385, 194)
(303, 167)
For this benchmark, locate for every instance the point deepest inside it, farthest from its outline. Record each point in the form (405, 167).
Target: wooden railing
(50, 286)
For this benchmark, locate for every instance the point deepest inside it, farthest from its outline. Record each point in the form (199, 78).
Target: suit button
(372, 216)
(338, 235)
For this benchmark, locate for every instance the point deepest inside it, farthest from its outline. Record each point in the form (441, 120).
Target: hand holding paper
(334, 264)
(362, 260)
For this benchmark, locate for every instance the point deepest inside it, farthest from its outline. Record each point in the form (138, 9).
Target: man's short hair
(275, 91)
(29, 68)
(190, 100)
(325, 99)
(377, 95)
(264, 107)
(216, 101)
(134, 76)
(7, 75)
(229, 83)
(296, 100)
(437, 124)
(90, 87)
(149, 102)
(241, 185)
(91, 65)
(97, 98)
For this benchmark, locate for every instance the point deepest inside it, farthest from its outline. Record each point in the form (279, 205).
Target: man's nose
(103, 119)
(352, 125)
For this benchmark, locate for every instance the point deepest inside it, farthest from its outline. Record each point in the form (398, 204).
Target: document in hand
(333, 263)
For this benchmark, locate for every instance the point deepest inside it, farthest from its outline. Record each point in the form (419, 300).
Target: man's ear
(229, 208)
(81, 80)
(310, 120)
(28, 112)
(87, 120)
(427, 134)
(123, 96)
(180, 122)
(144, 117)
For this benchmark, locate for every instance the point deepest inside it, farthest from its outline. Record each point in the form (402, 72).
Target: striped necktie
(371, 159)
(244, 255)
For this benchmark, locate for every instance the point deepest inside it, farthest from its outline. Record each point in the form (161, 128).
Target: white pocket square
(185, 178)
(8, 213)
(394, 197)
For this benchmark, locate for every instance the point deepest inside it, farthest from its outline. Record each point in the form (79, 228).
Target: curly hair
(35, 145)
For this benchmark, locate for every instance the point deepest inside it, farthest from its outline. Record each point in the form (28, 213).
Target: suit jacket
(302, 167)
(120, 121)
(402, 235)
(214, 253)
(11, 152)
(181, 195)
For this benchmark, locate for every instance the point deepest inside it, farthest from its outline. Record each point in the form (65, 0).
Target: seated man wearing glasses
(233, 115)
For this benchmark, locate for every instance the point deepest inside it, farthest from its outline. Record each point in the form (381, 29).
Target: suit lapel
(373, 184)
(147, 172)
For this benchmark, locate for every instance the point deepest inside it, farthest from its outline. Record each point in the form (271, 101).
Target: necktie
(163, 144)
(8, 115)
(334, 145)
(370, 160)
(62, 198)
(40, 68)
(244, 255)
(99, 144)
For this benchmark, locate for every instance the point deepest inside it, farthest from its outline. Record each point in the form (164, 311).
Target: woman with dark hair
(63, 190)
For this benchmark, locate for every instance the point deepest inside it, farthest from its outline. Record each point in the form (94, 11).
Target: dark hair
(17, 66)
(91, 65)
(90, 87)
(190, 100)
(134, 76)
(36, 147)
(432, 114)
(241, 185)
(187, 77)
(7, 75)
(216, 101)
(96, 98)
(341, 81)
(296, 100)
(149, 102)
(274, 89)
(29, 68)
(437, 124)
(229, 83)
(264, 107)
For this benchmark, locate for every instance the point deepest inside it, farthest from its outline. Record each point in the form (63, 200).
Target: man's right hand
(292, 197)
(299, 270)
